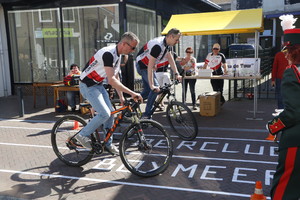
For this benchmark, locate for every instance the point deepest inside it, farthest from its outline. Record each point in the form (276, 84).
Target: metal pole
(21, 101)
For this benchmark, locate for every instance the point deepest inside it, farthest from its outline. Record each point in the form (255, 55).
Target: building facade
(40, 39)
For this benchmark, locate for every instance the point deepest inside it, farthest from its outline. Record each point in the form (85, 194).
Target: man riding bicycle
(105, 64)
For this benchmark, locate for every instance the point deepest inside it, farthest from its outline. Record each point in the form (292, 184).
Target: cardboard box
(209, 103)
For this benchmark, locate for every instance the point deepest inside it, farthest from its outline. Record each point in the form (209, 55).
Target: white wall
(271, 5)
(5, 86)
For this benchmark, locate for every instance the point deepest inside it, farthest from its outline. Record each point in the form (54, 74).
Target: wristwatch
(176, 74)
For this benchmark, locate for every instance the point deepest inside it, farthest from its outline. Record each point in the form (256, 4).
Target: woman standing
(189, 64)
(286, 179)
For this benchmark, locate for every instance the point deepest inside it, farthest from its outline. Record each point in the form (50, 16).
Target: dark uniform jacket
(288, 121)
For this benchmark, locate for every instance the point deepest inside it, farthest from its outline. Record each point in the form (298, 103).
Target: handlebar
(167, 87)
(132, 103)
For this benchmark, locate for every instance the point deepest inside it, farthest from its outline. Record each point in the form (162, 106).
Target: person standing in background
(279, 65)
(71, 95)
(215, 61)
(189, 64)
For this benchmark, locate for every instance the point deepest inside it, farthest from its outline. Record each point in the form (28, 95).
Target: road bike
(145, 147)
(179, 116)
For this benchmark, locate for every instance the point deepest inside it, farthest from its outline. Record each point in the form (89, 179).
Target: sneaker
(112, 149)
(84, 141)
(194, 107)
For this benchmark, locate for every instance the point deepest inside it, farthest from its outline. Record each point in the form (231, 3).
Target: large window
(142, 22)
(37, 46)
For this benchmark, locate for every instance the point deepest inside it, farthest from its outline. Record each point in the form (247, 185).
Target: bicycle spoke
(66, 147)
(147, 152)
(182, 121)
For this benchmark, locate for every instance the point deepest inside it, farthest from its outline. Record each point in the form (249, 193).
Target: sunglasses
(215, 49)
(132, 47)
(189, 52)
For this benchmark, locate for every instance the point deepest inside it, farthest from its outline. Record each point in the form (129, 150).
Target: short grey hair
(129, 36)
(174, 31)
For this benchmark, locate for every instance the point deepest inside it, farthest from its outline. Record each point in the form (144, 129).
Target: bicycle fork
(143, 145)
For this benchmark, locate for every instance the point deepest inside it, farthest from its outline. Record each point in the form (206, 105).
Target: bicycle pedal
(98, 148)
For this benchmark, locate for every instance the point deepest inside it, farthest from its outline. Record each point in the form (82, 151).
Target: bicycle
(179, 116)
(138, 150)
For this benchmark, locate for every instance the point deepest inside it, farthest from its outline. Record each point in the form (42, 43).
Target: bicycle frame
(166, 91)
(119, 117)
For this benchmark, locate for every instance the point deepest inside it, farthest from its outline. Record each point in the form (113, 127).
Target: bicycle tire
(64, 129)
(150, 159)
(182, 120)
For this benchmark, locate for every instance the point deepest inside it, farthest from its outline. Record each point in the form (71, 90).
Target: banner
(243, 67)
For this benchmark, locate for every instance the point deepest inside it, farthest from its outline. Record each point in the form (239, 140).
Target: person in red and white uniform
(216, 61)
(286, 178)
(105, 64)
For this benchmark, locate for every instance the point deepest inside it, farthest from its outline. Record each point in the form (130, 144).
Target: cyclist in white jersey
(105, 64)
(155, 54)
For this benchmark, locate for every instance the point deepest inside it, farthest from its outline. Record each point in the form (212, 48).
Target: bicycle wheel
(182, 120)
(146, 152)
(65, 146)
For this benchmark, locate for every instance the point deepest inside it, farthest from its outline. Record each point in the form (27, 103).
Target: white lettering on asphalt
(237, 174)
(269, 176)
(182, 168)
(224, 150)
(203, 147)
(261, 150)
(210, 172)
(108, 162)
(188, 144)
(161, 144)
(227, 148)
(206, 171)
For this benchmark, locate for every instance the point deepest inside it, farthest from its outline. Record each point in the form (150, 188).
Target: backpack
(60, 106)
(71, 80)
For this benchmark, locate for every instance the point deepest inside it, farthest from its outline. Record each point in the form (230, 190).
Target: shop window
(45, 15)
(68, 15)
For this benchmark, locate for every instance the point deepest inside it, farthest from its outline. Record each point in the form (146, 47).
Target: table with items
(63, 88)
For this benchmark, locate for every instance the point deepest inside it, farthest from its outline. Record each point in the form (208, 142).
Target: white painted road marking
(127, 183)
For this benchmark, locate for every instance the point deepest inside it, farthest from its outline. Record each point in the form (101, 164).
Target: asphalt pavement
(223, 162)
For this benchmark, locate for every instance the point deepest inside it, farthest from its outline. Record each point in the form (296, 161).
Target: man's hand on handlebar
(155, 89)
(137, 97)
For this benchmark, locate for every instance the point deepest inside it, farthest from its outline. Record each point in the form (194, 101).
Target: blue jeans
(99, 99)
(71, 96)
(278, 93)
(147, 93)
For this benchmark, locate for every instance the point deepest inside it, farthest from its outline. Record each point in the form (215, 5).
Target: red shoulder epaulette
(276, 125)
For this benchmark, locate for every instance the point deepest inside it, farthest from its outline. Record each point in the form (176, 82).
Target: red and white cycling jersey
(147, 51)
(215, 62)
(94, 72)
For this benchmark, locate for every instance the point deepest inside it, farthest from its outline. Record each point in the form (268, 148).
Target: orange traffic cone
(270, 137)
(258, 192)
(76, 125)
